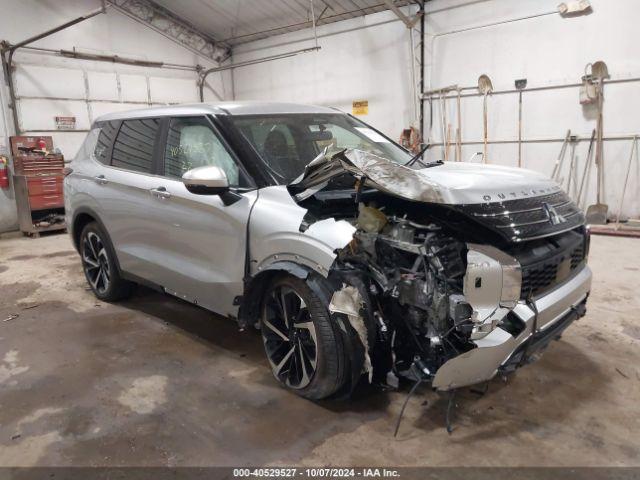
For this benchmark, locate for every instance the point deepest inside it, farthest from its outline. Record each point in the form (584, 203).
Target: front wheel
(304, 351)
(98, 263)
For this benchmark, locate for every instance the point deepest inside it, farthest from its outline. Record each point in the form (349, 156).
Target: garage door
(64, 101)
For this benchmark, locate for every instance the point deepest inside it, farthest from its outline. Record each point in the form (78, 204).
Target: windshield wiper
(417, 158)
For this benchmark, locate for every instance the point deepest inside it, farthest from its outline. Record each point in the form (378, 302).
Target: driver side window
(191, 143)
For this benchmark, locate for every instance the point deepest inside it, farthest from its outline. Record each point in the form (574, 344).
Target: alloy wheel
(96, 263)
(289, 337)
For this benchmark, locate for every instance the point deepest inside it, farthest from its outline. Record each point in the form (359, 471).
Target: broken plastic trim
(349, 302)
(492, 286)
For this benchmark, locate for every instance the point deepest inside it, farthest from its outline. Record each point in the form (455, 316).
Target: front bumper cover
(500, 350)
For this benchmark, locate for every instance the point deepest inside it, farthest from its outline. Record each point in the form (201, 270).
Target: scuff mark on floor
(27, 452)
(631, 330)
(38, 414)
(145, 394)
(242, 372)
(9, 367)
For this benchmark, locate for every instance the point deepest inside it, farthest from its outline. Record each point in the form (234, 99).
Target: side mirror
(210, 180)
(207, 180)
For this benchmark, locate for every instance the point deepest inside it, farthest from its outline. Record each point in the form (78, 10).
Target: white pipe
(319, 36)
(580, 138)
(634, 149)
(115, 59)
(313, 20)
(5, 123)
(414, 87)
(255, 61)
(434, 93)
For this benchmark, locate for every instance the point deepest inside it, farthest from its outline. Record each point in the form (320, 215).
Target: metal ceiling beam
(279, 56)
(321, 20)
(409, 22)
(165, 22)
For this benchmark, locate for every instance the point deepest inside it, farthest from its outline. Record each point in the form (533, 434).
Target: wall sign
(65, 123)
(360, 107)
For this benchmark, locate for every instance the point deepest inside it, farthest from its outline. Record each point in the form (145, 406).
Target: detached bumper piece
(524, 333)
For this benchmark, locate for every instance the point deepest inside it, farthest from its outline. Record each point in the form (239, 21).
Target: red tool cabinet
(37, 178)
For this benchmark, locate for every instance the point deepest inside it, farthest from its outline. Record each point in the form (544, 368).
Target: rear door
(127, 206)
(202, 240)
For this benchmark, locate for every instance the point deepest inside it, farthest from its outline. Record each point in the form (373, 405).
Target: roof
(233, 22)
(219, 108)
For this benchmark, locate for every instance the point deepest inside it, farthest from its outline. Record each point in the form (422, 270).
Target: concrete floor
(154, 381)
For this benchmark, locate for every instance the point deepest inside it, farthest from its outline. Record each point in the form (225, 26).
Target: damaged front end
(429, 294)
(421, 297)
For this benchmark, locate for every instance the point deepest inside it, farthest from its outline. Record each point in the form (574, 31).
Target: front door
(203, 241)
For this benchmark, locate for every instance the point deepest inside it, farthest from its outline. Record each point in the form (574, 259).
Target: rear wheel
(98, 262)
(303, 350)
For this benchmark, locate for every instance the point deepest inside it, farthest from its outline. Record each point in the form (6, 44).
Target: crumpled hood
(451, 183)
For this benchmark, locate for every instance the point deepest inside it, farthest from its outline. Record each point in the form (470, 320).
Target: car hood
(450, 183)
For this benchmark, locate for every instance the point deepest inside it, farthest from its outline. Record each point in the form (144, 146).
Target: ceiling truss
(173, 27)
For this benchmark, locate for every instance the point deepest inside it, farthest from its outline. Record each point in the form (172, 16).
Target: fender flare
(295, 269)
(254, 287)
(89, 211)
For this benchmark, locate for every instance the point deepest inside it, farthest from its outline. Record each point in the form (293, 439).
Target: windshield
(286, 143)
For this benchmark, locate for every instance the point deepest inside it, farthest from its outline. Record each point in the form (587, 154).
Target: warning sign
(360, 107)
(65, 123)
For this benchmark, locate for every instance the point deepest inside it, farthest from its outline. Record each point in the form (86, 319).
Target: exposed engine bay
(421, 284)
(415, 272)
(402, 291)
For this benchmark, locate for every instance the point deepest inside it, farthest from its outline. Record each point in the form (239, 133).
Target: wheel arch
(81, 218)
(255, 287)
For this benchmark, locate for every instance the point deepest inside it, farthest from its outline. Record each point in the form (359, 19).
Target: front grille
(577, 257)
(547, 263)
(527, 218)
(537, 280)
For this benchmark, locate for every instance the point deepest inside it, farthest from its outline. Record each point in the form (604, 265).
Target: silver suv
(357, 260)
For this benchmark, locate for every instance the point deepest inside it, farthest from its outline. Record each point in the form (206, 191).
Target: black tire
(99, 265)
(329, 369)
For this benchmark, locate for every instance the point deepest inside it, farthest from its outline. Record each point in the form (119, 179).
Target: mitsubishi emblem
(554, 217)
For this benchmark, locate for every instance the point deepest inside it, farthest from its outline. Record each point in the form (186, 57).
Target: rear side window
(133, 148)
(108, 131)
(88, 147)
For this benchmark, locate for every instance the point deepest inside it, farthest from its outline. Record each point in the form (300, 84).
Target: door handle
(100, 180)
(160, 192)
